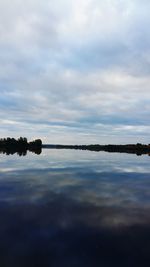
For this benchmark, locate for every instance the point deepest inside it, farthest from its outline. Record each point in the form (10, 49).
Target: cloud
(75, 65)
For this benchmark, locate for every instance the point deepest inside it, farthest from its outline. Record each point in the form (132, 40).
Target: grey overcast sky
(75, 71)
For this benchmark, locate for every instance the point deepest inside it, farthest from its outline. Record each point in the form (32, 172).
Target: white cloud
(75, 64)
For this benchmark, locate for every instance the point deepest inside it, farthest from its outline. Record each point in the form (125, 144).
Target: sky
(75, 72)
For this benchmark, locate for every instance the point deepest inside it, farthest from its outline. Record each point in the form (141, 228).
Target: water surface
(74, 208)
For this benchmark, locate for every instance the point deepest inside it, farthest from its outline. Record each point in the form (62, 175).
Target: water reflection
(79, 213)
(20, 151)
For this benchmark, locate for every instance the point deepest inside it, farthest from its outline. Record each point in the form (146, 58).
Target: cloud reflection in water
(74, 217)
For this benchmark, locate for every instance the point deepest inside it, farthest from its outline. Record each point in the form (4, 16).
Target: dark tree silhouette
(137, 149)
(10, 146)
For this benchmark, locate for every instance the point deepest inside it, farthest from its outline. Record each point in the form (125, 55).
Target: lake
(74, 208)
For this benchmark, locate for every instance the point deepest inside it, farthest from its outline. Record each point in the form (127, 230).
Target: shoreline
(138, 149)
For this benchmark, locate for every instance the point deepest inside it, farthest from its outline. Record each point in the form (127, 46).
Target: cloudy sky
(75, 71)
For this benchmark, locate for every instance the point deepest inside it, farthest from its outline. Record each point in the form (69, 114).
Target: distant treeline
(137, 149)
(20, 146)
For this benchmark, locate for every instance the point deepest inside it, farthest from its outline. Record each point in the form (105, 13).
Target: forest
(137, 149)
(20, 146)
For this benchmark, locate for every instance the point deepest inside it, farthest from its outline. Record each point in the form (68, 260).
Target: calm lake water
(74, 208)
